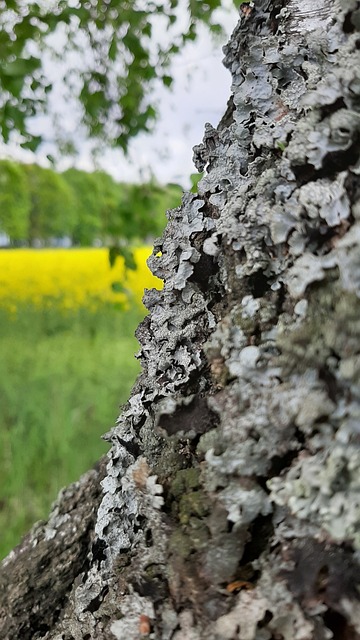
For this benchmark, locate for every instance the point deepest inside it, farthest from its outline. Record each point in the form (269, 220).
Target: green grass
(62, 380)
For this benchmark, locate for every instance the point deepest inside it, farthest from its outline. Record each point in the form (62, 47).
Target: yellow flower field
(70, 278)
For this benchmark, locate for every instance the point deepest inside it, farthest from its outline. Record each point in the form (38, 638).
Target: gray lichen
(231, 501)
(275, 225)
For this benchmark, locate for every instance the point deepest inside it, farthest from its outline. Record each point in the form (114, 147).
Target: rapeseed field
(67, 362)
(71, 278)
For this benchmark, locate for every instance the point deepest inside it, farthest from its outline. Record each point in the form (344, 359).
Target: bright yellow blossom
(70, 278)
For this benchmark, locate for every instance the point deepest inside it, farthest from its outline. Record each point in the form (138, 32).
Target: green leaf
(94, 103)
(217, 29)
(117, 287)
(174, 49)
(113, 49)
(147, 30)
(189, 36)
(114, 252)
(14, 85)
(132, 42)
(21, 67)
(32, 143)
(128, 256)
(195, 179)
(12, 4)
(13, 115)
(167, 80)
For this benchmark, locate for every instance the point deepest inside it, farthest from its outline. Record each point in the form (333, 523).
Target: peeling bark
(230, 505)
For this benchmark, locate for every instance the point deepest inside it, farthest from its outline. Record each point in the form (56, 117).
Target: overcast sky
(200, 92)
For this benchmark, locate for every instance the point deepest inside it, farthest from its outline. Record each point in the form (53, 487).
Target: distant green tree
(39, 204)
(119, 56)
(14, 201)
(86, 201)
(167, 197)
(52, 204)
(110, 195)
(142, 209)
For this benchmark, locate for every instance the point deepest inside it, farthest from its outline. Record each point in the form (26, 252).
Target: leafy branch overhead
(111, 54)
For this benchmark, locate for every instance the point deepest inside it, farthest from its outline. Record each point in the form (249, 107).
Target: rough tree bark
(230, 502)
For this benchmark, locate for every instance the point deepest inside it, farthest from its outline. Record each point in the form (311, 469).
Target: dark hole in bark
(322, 579)
(41, 629)
(333, 163)
(274, 16)
(320, 236)
(304, 173)
(348, 26)
(352, 186)
(139, 525)
(154, 587)
(229, 526)
(279, 463)
(195, 416)
(328, 109)
(203, 269)
(268, 616)
(255, 339)
(258, 284)
(149, 538)
(94, 605)
(98, 550)
(217, 303)
(132, 447)
(280, 299)
(141, 422)
(340, 160)
(260, 532)
(330, 380)
(339, 627)
(210, 210)
(302, 72)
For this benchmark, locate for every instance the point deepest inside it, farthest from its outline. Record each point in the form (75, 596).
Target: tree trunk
(230, 503)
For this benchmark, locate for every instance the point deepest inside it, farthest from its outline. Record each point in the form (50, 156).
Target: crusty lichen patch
(248, 402)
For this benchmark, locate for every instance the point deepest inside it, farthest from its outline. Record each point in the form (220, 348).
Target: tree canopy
(112, 52)
(38, 206)
(14, 200)
(51, 208)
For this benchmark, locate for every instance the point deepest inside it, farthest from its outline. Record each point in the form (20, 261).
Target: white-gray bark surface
(230, 504)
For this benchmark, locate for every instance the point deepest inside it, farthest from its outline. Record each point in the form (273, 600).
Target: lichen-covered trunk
(230, 503)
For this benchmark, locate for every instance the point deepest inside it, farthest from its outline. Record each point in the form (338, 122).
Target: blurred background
(101, 102)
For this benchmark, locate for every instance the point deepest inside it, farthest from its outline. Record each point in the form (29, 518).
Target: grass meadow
(67, 362)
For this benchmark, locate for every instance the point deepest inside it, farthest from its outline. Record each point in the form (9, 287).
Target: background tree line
(38, 205)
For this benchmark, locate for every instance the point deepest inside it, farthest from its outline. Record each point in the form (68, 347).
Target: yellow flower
(71, 278)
